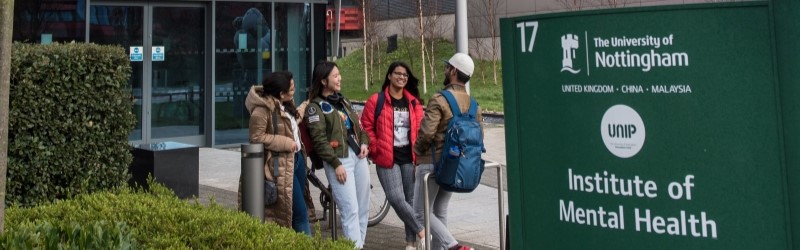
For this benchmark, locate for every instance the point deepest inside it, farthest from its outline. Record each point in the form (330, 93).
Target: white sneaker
(411, 248)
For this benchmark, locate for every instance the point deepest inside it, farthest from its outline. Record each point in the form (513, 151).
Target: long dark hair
(276, 83)
(321, 72)
(412, 84)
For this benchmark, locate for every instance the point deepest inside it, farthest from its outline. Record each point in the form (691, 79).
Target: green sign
(645, 128)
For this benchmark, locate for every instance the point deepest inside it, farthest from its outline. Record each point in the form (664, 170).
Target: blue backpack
(460, 166)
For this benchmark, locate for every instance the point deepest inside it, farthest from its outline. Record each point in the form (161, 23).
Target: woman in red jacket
(391, 118)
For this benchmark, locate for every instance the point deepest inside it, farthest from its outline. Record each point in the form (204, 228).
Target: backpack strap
(473, 105)
(473, 108)
(378, 109)
(452, 101)
(275, 163)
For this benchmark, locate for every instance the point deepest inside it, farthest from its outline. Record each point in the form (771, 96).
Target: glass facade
(243, 57)
(251, 42)
(193, 61)
(293, 42)
(49, 20)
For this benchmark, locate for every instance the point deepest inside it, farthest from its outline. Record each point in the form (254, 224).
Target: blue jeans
(299, 208)
(352, 196)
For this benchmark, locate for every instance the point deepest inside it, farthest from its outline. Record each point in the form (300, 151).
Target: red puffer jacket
(381, 146)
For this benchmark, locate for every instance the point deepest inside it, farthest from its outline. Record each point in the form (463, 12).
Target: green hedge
(70, 116)
(100, 235)
(159, 220)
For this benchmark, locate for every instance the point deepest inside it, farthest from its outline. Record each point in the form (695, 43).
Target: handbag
(271, 186)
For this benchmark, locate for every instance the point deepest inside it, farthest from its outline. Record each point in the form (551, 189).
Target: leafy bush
(159, 220)
(70, 116)
(100, 235)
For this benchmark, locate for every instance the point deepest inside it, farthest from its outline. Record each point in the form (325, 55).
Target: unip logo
(623, 131)
(569, 43)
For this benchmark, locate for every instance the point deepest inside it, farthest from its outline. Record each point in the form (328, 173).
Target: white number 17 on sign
(522, 27)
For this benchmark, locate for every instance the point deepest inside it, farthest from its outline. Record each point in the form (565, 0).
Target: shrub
(69, 120)
(159, 220)
(100, 235)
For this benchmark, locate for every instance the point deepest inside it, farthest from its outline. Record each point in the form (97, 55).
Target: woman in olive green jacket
(339, 140)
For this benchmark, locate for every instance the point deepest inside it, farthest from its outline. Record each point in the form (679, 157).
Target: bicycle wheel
(378, 204)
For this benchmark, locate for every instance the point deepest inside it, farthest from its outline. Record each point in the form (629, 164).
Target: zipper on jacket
(344, 142)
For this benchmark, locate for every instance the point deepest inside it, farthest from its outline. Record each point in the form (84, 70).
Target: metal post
(500, 202)
(427, 212)
(333, 217)
(462, 32)
(462, 42)
(252, 177)
(500, 206)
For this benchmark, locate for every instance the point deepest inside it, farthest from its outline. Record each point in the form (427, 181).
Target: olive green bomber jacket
(328, 132)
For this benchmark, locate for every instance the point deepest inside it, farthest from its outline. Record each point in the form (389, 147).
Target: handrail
(500, 204)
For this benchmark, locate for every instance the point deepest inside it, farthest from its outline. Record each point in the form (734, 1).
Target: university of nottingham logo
(569, 43)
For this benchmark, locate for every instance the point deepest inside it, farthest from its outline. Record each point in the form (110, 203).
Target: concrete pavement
(472, 217)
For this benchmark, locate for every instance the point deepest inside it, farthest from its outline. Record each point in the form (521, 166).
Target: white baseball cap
(463, 63)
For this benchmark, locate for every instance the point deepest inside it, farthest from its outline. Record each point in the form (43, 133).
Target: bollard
(252, 178)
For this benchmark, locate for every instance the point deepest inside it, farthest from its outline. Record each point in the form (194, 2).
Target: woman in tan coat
(294, 206)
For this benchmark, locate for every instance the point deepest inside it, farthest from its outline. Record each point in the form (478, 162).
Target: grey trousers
(398, 184)
(439, 199)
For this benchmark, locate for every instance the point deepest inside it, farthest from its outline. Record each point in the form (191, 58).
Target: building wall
(479, 25)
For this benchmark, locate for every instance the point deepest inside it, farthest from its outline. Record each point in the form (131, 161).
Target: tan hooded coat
(276, 144)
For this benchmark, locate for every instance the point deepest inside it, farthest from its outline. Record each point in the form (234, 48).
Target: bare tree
(422, 47)
(613, 3)
(571, 5)
(370, 33)
(479, 23)
(434, 30)
(6, 27)
(491, 7)
(480, 49)
(364, 42)
(375, 33)
(401, 44)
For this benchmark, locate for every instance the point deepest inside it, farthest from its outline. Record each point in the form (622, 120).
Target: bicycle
(378, 204)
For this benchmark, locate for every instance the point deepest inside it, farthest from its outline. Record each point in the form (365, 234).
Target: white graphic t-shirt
(402, 125)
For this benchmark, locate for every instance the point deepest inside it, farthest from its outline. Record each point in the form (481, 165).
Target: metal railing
(500, 204)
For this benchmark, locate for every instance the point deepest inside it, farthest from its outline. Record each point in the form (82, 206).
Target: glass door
(178, 54)
(124, 25)
(167, 51)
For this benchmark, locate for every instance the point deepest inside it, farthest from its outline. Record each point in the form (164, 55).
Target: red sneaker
(460, 247)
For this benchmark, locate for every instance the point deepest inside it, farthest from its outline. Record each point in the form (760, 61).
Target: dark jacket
(328, 131)
(381, 146)
(437, 115)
